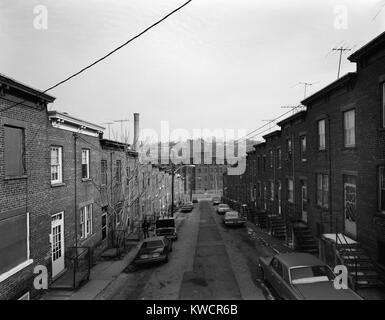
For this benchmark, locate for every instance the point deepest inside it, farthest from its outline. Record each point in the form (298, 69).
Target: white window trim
(87, 162)
(60, 171)
(22, 265)
(346, 144)
(323, 146)
(85, 213)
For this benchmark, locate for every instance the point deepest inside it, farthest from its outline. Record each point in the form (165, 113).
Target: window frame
(23, 155)
(302, 151)
(86, 221)
(279, 158)
(103, 172)
(322, 193)
(59, 165)
(321, 136)
(345, 129)
(87, 151)
(290, 191)
(118, 172)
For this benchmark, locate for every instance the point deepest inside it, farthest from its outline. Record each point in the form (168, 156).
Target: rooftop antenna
(341, 51)
(305, 85)
(109, 128)
(121, 127)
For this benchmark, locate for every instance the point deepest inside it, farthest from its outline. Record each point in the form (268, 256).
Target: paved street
(207, 262)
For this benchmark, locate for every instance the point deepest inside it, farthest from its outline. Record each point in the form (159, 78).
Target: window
(14, 242)
(323, 190)
(264, 163)
(290, 190)
(279, 158)
(259, 190)
(289, 148)
(103, 172)
(303, 147)
(272, 190)
(259, 163)
(56, 165)
(86, 221)
(349, 128)
(85, 163)
(321, 135)
(383, 105)
(14, 152)
(382, 189)
(271, 159)
(119, 171)
(350, 198)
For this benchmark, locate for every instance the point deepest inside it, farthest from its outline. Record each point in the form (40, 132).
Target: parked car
(166, 227)
(195, 200)
(154, 249)
(187, 207)
(302, 276)
(223, 208)
(216, 200)
(233, 219)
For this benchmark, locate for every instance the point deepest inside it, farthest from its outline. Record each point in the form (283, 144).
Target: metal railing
(78, 262)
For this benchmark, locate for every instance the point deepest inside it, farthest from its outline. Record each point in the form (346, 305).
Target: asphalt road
(208, 261)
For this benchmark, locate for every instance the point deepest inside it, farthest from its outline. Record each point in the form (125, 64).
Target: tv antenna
(341, 51)
(109, 128)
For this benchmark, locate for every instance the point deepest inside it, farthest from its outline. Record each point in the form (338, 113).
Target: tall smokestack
(136, 131)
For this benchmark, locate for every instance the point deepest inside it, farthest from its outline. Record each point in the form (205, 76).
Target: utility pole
(121, 127)
(109, 128)
(341, 50)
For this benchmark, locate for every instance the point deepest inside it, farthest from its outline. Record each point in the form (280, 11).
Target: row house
(322, 174)
(24, 187)
(65, 192)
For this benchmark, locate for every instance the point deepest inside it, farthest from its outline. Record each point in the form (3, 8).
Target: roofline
(297, 115)
(71, 119)
(25, 88)
(330, 87)
(271, 134)
(367, 48)
(114, 143)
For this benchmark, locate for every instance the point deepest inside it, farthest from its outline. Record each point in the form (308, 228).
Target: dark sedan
(154, 249)
(302, 276)
(187, 207)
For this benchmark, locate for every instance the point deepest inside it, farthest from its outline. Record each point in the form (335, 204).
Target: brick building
(24, 187)
(324, 168)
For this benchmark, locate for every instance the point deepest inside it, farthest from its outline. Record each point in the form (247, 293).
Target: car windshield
(311, 274)
(152, 244)
(223, 206)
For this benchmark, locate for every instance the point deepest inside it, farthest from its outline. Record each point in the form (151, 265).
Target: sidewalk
(102, 275)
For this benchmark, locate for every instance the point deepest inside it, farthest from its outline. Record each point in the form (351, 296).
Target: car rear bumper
(161, 258)
(234, 223)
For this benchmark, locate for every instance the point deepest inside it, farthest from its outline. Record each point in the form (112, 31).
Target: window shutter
(13, 241)
(13, 151)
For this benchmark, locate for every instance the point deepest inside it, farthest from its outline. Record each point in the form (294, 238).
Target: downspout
(330, 179)
(75, 210)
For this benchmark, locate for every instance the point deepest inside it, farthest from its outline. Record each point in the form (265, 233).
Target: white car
(233, 219)
(223, 208)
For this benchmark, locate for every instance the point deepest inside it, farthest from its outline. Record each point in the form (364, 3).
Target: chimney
(136, 131)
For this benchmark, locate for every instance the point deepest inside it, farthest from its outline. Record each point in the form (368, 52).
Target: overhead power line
(107, 55)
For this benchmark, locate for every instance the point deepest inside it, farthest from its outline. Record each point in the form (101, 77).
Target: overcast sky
(215, 64)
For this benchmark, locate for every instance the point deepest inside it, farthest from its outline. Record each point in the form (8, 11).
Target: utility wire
(107, 55)
(248, 136)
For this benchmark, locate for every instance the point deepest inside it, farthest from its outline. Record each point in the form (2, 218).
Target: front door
(57, 243)
(304, 201)
(350, 210)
